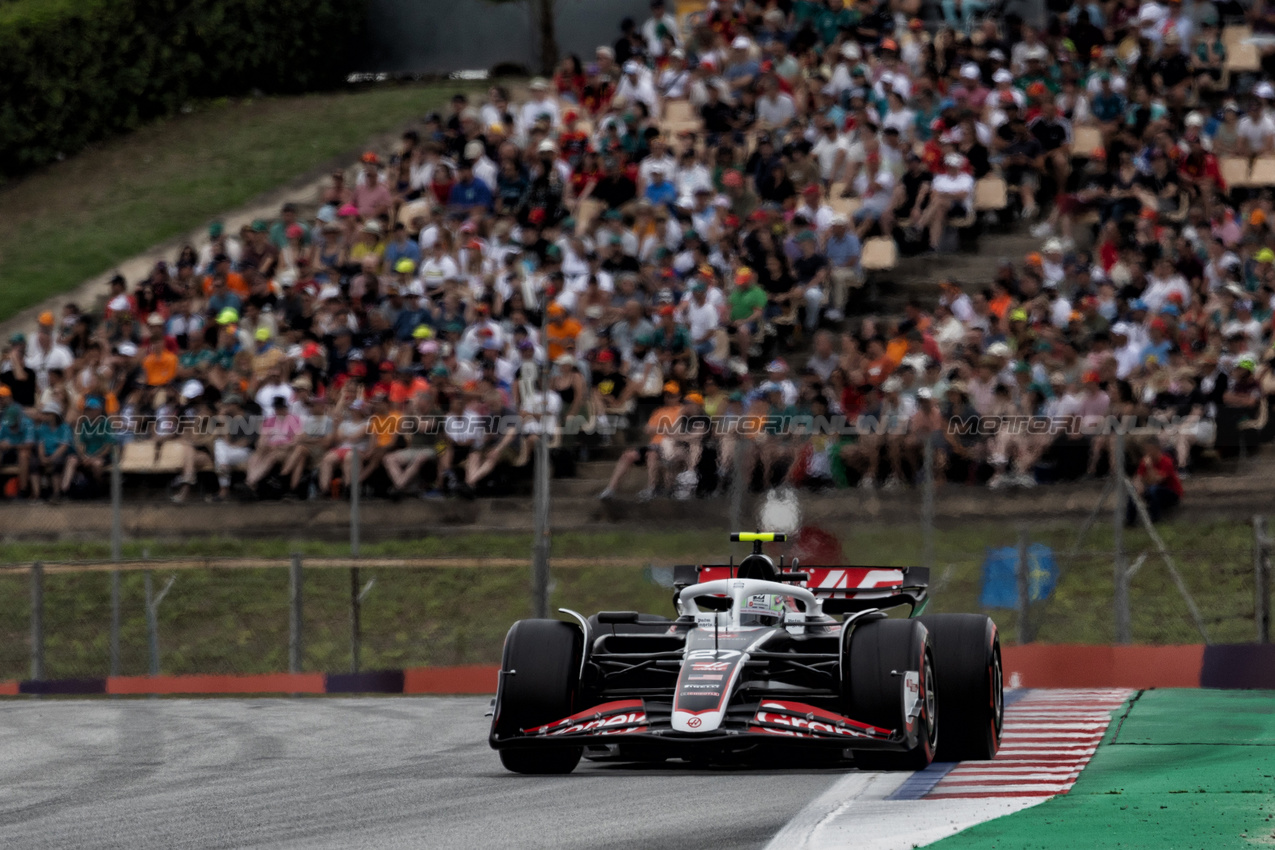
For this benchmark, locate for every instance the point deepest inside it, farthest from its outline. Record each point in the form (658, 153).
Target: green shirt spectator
(745, 300)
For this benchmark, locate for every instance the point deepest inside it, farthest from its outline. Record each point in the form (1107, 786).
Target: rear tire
(539, 682)
(878, 649)
(968, 652)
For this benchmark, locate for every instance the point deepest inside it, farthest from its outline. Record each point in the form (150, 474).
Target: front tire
(880, 652)
(968, 651)
(539, 684)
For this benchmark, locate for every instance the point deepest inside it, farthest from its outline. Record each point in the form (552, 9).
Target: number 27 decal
(723, 654)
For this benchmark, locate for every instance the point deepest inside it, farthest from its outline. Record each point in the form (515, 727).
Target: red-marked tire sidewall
(968, 656)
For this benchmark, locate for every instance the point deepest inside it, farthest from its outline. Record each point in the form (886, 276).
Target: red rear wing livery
(844, 589)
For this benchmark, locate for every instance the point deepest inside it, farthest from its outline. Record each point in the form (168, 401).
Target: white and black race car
(756, 658)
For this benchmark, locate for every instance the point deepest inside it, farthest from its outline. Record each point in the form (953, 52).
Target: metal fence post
(1022, 574)
(37, 621)
(1261, 580)
(1120, 596)
(540, 506)
(355, 625)
(356, 470)
(738, 484)
(152, 615)
(117, 552)
(294, 617)
(152, 621)
(927, 507)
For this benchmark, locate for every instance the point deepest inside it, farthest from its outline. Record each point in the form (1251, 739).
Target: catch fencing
(1094, 581)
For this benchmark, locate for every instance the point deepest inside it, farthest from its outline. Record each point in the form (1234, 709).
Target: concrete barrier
(1234, 666)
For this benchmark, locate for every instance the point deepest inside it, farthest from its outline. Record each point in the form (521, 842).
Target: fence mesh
(231, 615)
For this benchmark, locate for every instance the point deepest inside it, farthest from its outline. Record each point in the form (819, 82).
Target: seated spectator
(17, 437)
(659, 427)
(1157, 484)
(54, 449)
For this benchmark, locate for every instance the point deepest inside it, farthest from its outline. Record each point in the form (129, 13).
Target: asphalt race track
(393, 772)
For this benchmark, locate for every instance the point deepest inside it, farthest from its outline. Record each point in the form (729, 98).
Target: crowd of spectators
(648, 240)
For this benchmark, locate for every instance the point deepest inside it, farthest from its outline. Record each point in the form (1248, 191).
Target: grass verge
(77, 219)
(236, 620)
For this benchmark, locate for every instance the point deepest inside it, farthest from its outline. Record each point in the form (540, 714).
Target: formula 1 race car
(756, 659)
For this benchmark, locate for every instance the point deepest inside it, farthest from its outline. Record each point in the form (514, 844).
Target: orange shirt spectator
(560, 329)
(402, 391)
(160, 366)
(663, 421)
(234, 282)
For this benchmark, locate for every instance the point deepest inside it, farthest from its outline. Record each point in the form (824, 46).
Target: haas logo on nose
(694, 722)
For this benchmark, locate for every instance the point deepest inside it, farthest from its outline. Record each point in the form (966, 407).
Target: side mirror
(714, 603)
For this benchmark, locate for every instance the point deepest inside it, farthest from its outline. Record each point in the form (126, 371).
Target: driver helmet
(763, 609)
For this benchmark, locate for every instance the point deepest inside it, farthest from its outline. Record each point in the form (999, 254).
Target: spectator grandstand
(659, 254)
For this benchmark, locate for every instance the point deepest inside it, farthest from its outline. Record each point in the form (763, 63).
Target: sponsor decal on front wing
(799, 720)
(611, 718)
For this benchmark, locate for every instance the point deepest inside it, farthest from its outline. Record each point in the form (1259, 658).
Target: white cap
(1120, 329)
(924, 393)
(329, 292)
(192, 389)
(1053, 246)
(996, 54)
(969, 71)
(838, 218)
(677, 53)
(850, 50)
(632, 67)
(546, 147)
(127, 349)
(1037, 51)
(1149, 13)
(1194, 119)
(539, 84)
(998, 349)
(954, 160)
(474, 149)
(1264, 90)
(1002, 76)
(892, 384)
(741, 42)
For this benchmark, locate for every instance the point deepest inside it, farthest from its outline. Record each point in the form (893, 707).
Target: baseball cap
(672, 387)
(228, 316)
(405, 266)
(953, 160)
(1266, 255)
(5, 392)
(741, 42)
(46, 318)
(694, 398)
(743, 276)
(262, 334)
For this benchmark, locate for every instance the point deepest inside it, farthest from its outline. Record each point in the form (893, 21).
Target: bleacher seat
(679, 117)
(1243, 58)
(1234, 170)
(1086, 141)
(139, 456)
(1235, 34)
(1263, 173)
(991, 194)
(879, 254)
(845, 206)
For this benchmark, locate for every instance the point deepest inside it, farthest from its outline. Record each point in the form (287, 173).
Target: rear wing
(842, 589)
